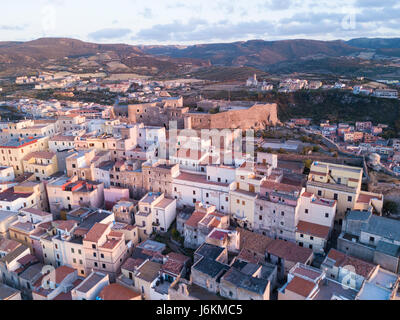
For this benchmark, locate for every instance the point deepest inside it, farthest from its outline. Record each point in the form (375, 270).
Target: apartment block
(343, 184)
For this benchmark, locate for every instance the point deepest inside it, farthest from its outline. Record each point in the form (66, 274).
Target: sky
(201, 21)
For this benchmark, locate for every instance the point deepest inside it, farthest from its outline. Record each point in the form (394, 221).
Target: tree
(390, 207)
(308, 163)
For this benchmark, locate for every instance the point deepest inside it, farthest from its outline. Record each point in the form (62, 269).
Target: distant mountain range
(286, 56)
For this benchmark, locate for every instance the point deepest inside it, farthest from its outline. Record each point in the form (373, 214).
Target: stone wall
(257, 117)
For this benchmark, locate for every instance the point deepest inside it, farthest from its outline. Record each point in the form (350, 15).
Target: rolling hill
(373, 57)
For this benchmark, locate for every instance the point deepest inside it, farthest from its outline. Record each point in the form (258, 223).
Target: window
(311, 238)
(104, 266)
(335, 196)
(102, 256)
(94, 254)
(260, 217)
(319, 193)
(283, 214)
(349, 198)
(95, 264)
(306, 211)
(72, 250)
(371, 239)
(93, 246)
(301, 235)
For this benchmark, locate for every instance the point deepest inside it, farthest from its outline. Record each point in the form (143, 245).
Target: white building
(188, 189)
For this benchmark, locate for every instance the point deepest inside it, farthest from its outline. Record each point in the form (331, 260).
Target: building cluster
(379, 93)
(94, 207)
(292, 85)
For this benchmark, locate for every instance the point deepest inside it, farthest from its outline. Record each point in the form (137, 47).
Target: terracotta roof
(313, 229)
(172, 267)
(8, 246)
(307, 272)
(307, 195)
(289, 251)
(177, 257)
(96, 232)
(194, 219)
(366, 198)
(253, 241)
(36, 211)
(115, 291)
(67, 225)
(40, 155)
(62, 272)
(164, 203)
(110, 244)
(361, 267)
(248, 256)
(301, 286)
(132, 264)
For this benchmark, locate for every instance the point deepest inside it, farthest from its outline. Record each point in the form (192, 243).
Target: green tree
(390, 207)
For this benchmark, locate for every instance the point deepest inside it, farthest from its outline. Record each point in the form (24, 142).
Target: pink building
(113, 195)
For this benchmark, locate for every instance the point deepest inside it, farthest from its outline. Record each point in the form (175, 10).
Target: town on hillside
(154, 198)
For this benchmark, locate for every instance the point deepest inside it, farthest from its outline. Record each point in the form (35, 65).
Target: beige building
(128, 174)
(105, 249)
(343, 184)
(156, 214)
(82, 164)
(13, 152)
(42, 164)
(158, 177)
(243, 197)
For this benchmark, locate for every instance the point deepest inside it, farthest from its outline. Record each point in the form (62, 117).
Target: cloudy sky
(200, 21)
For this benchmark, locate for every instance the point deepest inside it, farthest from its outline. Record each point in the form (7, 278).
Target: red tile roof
(194, 219)
(289, 251)
(361, 267)
(253, 241)
(96, 232)
(117, 292)
(313, 229)
(301, 286)
(62, 272)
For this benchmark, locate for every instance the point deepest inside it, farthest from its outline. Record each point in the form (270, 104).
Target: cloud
(147, 13)
(109, 33)
(202, 30)
(375, 3)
